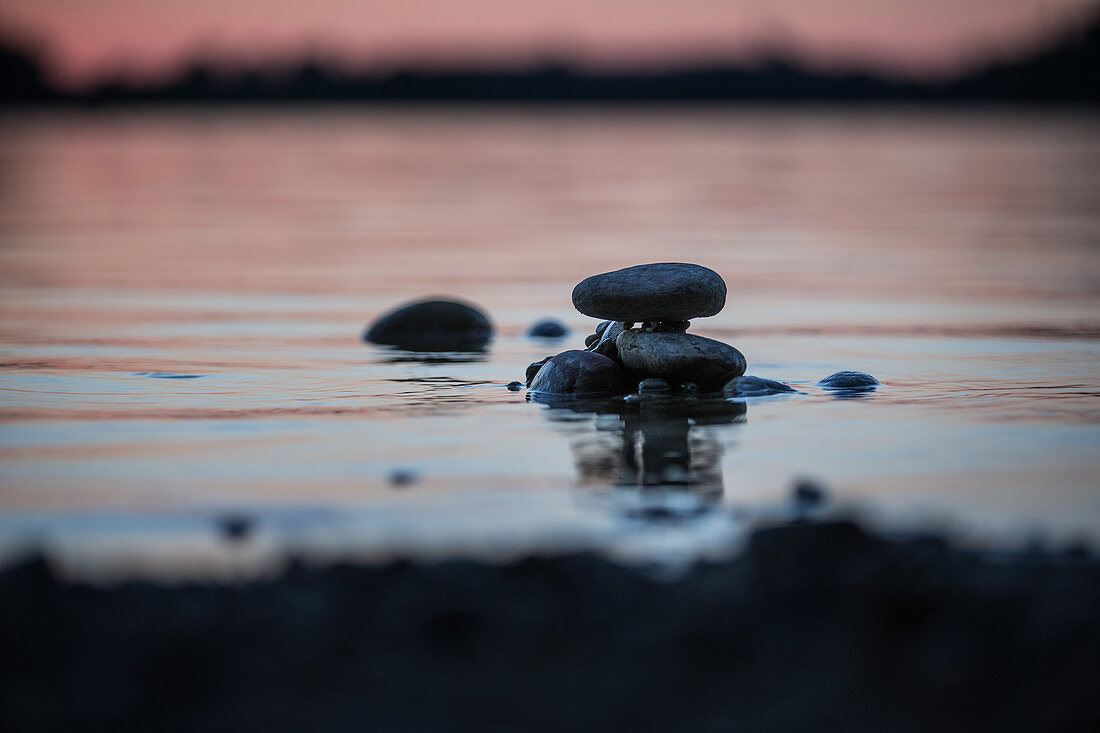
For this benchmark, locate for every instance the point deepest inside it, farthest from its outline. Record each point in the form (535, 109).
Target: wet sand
(816, 626)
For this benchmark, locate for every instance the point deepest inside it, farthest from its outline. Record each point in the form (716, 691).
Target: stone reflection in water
(406, 356)
(663, 447)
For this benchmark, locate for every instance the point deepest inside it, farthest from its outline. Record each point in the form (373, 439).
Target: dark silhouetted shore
(1066, 71)
(816, 626)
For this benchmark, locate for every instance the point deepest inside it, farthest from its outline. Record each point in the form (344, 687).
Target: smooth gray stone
(580, 373)
(754, 387)
(548, 328)
(654, 385)
(666, 291)
(680, 357)
(849, 380)
(433, 325)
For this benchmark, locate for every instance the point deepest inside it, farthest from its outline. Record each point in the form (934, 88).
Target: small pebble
(849, 380)
(808, 495)
(548, 328)
(401, 477)
(653, 386)
(591, 339)
(533, 369)
(515, 386)
(750, 386)
(236, 527)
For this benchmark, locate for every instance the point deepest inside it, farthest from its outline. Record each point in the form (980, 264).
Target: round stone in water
(849, 380)
(580, 373)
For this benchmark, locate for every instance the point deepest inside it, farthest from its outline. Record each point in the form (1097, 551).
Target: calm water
(183, 296)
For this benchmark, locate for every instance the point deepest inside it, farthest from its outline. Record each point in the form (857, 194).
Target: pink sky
(86, 38)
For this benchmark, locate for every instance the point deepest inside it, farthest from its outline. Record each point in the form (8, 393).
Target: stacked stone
(643, 342)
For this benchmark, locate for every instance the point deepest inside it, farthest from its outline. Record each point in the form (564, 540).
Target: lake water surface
(184, 294)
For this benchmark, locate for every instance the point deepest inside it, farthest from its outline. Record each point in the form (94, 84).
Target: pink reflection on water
(952, 254)
(369, 202)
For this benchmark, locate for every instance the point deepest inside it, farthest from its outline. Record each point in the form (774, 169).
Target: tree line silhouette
(1065, 71)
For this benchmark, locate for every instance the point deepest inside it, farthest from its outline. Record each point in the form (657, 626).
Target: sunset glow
(86, 39)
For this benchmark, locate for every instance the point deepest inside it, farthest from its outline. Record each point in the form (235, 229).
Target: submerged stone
(653, 385)
(849, 380)
(807, 495)
(680, 357)
(754, 387)
(237, 527)
(433, 325)
(401, 477)
(548, 328)
(666, 291)
(580, 373)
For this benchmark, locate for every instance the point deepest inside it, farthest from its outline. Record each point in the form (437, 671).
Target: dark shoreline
(1062, 69)
(815, 626)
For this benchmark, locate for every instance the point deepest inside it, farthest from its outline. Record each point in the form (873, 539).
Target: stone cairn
(642, 344)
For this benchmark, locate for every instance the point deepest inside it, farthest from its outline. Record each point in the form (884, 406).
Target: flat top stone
(663, 291)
